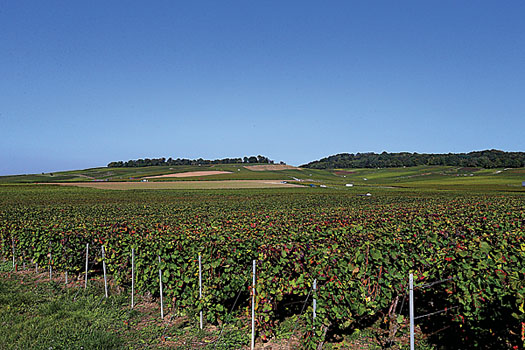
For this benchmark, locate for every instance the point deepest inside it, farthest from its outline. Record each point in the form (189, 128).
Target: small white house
(144, 180)
(349, 185)
(323, 186)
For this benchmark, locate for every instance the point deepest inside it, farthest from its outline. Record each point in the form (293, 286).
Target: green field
(434, 222)
(421, 177)
(238, 172)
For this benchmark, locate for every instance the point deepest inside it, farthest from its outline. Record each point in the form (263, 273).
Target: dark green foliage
(482, 159)
(173, 162)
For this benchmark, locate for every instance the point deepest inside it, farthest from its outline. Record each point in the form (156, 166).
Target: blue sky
(83, 83)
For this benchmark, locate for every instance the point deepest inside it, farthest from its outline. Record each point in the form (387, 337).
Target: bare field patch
(343, 172)
(181, 185)
(271, 167)
(190, 174)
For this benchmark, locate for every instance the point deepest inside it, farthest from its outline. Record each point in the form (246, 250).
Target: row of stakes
(411, 290)
(160, 285)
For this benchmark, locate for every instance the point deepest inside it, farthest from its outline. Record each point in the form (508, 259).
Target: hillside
(158, 173)
(484, 159)
(361, 179)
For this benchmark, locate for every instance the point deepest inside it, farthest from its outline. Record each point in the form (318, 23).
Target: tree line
(479, 159)
(183, 161)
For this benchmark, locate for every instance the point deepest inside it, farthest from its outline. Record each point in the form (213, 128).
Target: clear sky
(83, 83)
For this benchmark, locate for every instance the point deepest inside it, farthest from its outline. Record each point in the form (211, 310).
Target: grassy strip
(44, 316)
(36, 313)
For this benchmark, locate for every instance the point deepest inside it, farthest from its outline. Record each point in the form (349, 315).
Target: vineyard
(359, 249)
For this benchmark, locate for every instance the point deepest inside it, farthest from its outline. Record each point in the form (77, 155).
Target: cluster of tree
(481, 159)
(183, 161)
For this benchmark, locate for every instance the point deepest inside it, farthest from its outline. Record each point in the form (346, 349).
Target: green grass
(46, 317)
(36, 313)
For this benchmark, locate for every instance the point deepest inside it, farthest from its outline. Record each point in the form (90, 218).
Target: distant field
(437, 177)
(270, 167)
(189, 174)
(219, 171)
(180, 185)
(420, 177)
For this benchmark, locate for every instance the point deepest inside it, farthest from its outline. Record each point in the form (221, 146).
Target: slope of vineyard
(360, 250)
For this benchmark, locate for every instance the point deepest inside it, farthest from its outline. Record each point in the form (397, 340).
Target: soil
(190, 174)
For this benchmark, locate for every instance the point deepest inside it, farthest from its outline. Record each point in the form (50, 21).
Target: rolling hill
(361, 179)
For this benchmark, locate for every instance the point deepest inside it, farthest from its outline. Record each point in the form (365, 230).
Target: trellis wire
(436, 312)
(313, 288)
(428, 285)
(411, 299)
(298, 318)
(231, 310)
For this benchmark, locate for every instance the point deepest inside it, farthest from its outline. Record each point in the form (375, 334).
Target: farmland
(435, 223)
(420, 177)
(181, 185)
